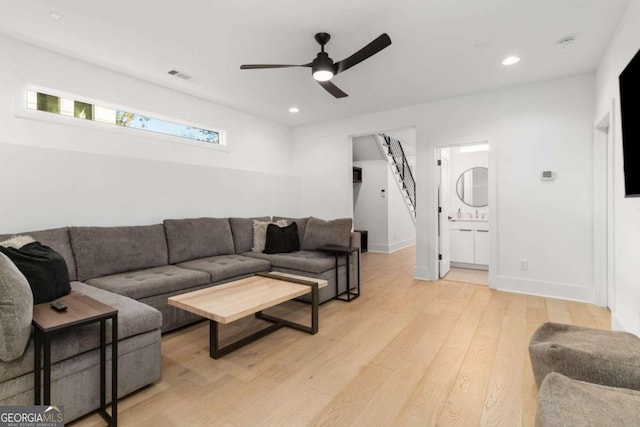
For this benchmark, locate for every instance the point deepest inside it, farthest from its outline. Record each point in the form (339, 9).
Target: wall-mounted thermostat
(548, 175)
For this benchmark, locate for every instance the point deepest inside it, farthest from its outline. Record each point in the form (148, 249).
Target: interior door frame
(444, 256)
(493, 206)
(603, 210)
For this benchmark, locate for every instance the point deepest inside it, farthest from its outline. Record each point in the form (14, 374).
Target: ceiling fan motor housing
(323, 63)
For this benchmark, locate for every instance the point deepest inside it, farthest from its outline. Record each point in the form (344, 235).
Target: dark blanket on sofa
(45, 270)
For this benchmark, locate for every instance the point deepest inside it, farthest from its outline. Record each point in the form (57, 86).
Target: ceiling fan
(323, 68)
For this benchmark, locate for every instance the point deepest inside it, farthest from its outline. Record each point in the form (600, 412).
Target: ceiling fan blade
(333, 89)
(369, 50)
(259, 66)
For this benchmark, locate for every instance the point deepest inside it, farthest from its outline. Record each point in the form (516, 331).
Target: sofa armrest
(355, 239)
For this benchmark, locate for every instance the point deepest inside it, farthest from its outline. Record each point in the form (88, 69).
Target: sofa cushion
(564, 402)
(300, 222)
(100, 251)
(303, 261)
(16, 310)
(198, 238)
(58, 240)
(319, 233)
(242, 230)
(597, 356)
(150, 281)
(134, 318)
(223, 267)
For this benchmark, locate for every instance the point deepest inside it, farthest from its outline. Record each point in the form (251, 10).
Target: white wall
(130, 169)
(530, 128)
(459, 163)
(623, 46)
(370, 209)
(402, 227)
(387, 219)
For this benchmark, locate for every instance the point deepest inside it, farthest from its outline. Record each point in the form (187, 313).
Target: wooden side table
(346, 251)
(82, 310)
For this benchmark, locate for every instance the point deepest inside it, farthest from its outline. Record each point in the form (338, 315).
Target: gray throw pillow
(320, 233)
(16, 311)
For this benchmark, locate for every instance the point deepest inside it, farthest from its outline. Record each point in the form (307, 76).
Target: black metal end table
(347, 251)
(81, 310)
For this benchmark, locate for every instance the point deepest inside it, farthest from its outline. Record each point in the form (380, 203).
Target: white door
(443, 213)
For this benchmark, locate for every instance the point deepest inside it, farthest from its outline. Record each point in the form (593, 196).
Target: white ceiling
(441, 48)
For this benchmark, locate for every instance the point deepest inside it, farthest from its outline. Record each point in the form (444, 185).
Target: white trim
(603, 208)
(421, 273)
(430, 271)
(21, 111)
(542, 288)
(392, 247)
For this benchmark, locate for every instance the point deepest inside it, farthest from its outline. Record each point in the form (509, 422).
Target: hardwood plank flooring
(407, 352)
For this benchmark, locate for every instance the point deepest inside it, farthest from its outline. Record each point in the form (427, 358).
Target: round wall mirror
(472, 187)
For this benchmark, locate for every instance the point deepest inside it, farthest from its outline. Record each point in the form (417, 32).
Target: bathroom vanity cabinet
(469, 243)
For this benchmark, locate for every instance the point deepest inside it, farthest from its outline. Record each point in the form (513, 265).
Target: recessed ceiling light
(294, 110)
(55, 16)
(510, 60)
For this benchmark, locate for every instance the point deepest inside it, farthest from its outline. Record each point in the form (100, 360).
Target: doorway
(463, 213)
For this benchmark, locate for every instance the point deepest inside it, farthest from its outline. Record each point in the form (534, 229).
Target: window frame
(23, 111)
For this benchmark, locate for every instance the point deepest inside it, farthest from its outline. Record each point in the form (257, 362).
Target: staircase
(392, 148)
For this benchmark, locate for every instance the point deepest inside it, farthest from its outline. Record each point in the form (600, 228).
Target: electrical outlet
(524, 264)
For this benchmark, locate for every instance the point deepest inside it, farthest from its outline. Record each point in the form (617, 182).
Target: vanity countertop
(469, 219)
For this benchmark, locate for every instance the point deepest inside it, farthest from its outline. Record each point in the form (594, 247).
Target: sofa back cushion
(58, 240)
(193, 238)
(242, 230)
(319, 233)
(100, 251)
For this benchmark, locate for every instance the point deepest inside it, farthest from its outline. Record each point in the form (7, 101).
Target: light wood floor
(406, 352)
(467, 275)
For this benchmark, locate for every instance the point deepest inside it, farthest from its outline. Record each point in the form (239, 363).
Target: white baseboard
(423, 273)
(621, 323)
(543, 288)
(392, 247)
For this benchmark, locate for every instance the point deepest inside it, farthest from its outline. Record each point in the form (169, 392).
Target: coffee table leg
(216, 352)
(213, 339)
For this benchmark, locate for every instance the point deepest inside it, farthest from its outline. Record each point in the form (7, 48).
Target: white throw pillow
(17, 242)
(260, 233)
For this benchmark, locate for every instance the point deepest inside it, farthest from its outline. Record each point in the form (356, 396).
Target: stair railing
(396, 152)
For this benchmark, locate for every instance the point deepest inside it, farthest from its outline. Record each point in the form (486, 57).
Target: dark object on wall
(364, 240)
(282, 239)
(630, 108)
(357, 174)
(45, 270)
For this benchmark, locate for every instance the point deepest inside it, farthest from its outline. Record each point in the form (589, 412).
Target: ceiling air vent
(180, 75)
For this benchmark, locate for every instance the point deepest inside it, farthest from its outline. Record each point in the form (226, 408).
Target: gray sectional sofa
(135, 269)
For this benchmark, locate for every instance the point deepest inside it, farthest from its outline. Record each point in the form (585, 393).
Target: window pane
(82, 110)
(48, 103)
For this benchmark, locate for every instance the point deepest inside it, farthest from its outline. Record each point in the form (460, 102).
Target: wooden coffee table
(241, 298)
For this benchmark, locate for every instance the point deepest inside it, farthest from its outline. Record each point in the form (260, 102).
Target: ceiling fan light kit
(323, 69)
